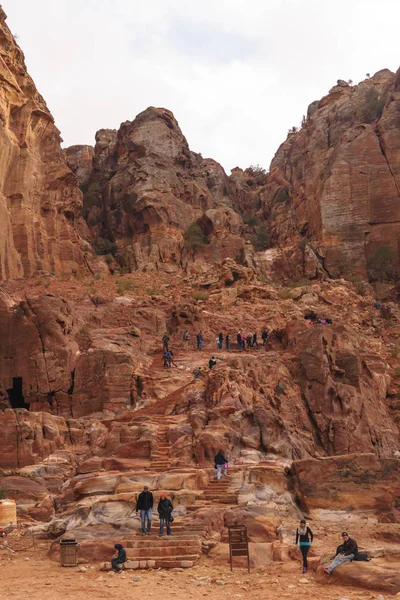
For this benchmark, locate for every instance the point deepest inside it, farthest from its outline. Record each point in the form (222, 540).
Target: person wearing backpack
(164, 510)
(304, 538)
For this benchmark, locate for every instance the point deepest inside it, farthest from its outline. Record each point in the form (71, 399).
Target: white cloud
(236, 74)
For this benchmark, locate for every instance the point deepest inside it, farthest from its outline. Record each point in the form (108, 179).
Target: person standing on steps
(220, 461)
(212, 362)
(144, 504)
(264, 336)
(239, 340)
(255, 342)
(165, 359)
(228, 341)
(220, 340)
(120, 559)
(165, 509)
(165, 342)
(304, 538)
(186, 338)
(199, 339)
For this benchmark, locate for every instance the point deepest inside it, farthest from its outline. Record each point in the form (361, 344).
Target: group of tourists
(243, 340)
(347, 551)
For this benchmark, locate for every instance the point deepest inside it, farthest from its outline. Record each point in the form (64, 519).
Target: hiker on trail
(165, 359)
(217, 341)
(170, 358)
(228, 341)
(347, 553)
(249, 340)
(264, 336)
(199, 339)
(144, 504)
(220, 463)
(212, 362)
(239, 340)
(186, 338)
(165, 509)
(165, 342)
(243, 341)
(254, 341)
(304, 537)
(197, 374)
(220, 340)
(119, 559)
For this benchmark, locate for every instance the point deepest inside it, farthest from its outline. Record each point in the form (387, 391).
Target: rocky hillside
(88, 412)
(333, 187)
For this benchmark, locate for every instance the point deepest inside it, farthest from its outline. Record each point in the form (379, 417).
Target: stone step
(164, 542)
(170, 563)
(165, 557)
(227, 499)
(163, 552)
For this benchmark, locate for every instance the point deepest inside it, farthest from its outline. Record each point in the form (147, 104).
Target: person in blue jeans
(144, 504)
(164, 510)
(304, 538)
(346, 552)
(220, 462)
(120, 559)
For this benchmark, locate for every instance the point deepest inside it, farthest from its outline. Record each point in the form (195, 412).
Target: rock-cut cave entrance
(15, 394)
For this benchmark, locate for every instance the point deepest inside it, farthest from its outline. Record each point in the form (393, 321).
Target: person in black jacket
(145, 505)
(220, 461)
(165, 509)
(350, 549)
(304, 538)
(119, 559)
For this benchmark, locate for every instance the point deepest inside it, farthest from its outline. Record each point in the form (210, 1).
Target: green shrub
(258, 173)
(3, 494)
(395, 350)
(98, 276)
(299, 283)
(282, 197)
(103, 246)
(284, 294)
(195, 237)
(125, 286)
(261, 239)
(109, 259)
(381, 267)
(200, 296)
(251, 220)
(83, 330)
(373, 106)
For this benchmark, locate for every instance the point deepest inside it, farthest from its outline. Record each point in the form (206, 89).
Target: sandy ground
(32, 575)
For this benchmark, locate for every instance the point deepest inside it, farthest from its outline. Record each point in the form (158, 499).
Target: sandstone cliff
(40, 201)
(333, 187)
(147, 191)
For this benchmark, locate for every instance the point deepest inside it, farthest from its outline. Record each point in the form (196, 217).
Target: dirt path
(27, 575)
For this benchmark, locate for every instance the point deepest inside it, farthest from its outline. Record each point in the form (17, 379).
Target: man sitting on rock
(349, 551)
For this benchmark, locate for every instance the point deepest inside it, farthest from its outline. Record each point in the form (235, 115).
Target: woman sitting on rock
(304, 537)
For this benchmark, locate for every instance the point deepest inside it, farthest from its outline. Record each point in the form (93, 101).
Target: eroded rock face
(147, 188)
(334, 185)
(356, 482)
(40, 202)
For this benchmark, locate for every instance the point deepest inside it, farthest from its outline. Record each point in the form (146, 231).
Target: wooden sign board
(238, 543)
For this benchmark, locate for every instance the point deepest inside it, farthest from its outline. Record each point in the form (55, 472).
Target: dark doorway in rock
(15, 394)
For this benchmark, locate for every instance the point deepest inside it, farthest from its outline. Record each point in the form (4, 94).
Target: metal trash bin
(68, 553)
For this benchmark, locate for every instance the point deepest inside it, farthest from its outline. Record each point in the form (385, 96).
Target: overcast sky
(235, 73)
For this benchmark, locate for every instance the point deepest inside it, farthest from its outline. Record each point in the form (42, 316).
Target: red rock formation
(356, 482)
(147, 188)
(40, 202)
(335, 183)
